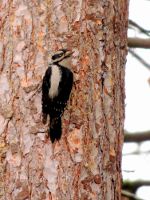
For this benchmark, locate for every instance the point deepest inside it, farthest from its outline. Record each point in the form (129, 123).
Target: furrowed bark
(86, 163)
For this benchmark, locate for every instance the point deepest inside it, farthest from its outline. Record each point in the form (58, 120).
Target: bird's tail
(55, 129)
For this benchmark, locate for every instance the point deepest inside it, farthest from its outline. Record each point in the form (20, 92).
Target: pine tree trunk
(86, 163)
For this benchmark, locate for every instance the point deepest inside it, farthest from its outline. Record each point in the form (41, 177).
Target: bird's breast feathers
(54, 80)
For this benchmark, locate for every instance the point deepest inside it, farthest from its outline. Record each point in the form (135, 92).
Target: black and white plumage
(56, 88)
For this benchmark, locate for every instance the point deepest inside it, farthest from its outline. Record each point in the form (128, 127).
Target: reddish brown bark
(85, 164)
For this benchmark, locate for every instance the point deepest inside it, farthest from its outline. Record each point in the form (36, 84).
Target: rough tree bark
(86, 161)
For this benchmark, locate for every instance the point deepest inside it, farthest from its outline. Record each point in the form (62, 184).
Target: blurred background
(136, 150)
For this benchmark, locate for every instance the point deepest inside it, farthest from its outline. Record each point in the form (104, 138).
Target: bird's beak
(68, 53)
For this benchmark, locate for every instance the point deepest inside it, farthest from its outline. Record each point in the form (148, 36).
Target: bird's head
(61, 56)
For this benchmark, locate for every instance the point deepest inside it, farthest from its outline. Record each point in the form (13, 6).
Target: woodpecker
(56, 88)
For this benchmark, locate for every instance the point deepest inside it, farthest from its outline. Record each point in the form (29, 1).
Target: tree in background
(130, 187)
(85, 164)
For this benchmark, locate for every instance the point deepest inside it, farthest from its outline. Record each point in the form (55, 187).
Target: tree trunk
(86, 163)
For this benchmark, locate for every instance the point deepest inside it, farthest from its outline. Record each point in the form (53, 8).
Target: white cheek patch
(66, 62)
(54, 80)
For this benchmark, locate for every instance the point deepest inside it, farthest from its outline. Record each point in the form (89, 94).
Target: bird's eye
(60, 54)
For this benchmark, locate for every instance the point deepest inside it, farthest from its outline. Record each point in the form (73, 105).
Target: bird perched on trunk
(56, 88)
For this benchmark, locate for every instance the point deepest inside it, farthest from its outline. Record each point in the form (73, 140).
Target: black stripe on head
(54, 57)
(57, 55)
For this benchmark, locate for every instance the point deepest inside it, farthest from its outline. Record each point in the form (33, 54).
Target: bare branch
(138, 152)
(139, 43)
(132, 186)
(141, 60)
(128, 171)
(130, 195)
(141, 29)
(137, 136)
